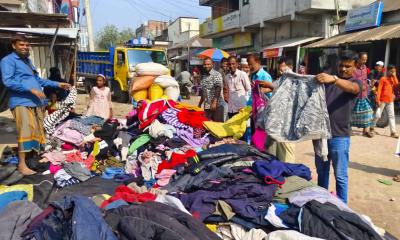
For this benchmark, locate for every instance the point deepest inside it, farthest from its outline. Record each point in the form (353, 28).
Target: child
(385, 98)
(52, 105)
(100, 99)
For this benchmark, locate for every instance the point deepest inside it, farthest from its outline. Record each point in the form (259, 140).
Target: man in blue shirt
(259, 74)
(26, 101)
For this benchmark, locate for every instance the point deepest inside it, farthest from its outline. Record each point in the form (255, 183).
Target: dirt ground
(370, 160)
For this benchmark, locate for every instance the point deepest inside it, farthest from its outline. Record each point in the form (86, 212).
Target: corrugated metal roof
(70, 33)
(391, 5)
(194, 42)
(10, 19)
(292, 42)
(374, 34)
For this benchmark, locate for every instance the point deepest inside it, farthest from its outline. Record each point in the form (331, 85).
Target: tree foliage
(110, 35)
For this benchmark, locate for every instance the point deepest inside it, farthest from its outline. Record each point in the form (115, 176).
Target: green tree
(108, 36)
(126, 34)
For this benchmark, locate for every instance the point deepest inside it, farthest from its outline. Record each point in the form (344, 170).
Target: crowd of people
(192, 158)
(355, 97)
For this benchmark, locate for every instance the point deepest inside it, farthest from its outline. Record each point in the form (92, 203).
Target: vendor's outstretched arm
(343, 84)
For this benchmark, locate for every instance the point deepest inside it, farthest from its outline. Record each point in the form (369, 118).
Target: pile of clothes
(166, 172)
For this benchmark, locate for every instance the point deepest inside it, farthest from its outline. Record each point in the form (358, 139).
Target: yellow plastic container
(140, 95)
(155, 92)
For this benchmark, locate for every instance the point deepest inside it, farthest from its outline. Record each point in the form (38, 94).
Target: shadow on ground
(377, 170)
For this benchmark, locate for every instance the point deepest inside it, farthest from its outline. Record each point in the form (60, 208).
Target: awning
(20, 18)
(368, 35)
(70, 33)
(292, 42)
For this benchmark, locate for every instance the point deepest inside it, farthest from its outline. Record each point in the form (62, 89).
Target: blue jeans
(338, 148)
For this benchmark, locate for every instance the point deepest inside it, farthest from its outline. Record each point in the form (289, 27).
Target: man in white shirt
(238, 85)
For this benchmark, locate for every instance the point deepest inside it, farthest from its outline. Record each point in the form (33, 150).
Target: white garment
(234, 231)
(273, 219)
(289, 235)
(172, 202)
(157, 129)
(238, 86)
(389, 107)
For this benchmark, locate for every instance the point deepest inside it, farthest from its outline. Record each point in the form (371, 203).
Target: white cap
(243, 61)
(380, 63)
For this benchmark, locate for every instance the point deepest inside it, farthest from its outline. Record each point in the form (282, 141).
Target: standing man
(26, 99)
(244, 66)
(374, 76)
(258, 73)
(284, 151)
(238, 85)
(385, 98)
(363, 115)
(340, 91)
(224, 69)
(211, 85)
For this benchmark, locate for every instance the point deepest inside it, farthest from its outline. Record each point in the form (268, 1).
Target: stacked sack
(153, 82)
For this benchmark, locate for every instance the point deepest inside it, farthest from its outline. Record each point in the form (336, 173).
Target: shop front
(290, 49)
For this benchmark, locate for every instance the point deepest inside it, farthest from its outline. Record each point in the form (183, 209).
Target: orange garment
(386, 89)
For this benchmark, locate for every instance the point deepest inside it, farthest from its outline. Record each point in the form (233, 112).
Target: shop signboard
(237, 40)
(220, 24)
(364, 17)
(272, 52)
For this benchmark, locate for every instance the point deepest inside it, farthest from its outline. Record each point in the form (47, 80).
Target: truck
(117, 65)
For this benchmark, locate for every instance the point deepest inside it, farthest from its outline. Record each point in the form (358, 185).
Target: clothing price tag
(103, 144)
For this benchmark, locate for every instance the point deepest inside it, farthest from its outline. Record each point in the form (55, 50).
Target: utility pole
(89, 25)
(337, 7)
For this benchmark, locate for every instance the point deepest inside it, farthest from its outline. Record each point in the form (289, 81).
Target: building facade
(152, 29)
(244, 26)
(183, 29)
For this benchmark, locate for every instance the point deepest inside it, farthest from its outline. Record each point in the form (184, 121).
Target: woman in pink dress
(100, 99)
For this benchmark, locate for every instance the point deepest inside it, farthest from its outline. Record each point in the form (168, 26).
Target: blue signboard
(364, 17)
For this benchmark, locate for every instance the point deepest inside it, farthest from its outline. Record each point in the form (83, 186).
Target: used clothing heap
(160, 174)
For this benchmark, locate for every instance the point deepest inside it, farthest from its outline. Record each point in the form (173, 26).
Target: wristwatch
(336, 78)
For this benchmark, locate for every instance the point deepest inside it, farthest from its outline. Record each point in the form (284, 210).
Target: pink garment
(132, 113)
(89, 162)
(258, 139)
(69, 135)
(100, 102)
(56, 158)
(164, 176)
(67, 146)
(361, 73)
(74, 156)
(54, 168)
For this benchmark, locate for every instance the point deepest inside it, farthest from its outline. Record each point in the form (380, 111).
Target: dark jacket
(141, 222)
(328, 222)
(223, 154)
(243, 198)
(75, 217)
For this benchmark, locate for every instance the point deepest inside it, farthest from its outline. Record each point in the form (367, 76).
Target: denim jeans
(338, 148)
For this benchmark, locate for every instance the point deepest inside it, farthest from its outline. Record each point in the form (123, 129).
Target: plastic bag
(151, 69)
(140, 83)
(166, 81)
(172, 92)
(155, 92)
(139, 95)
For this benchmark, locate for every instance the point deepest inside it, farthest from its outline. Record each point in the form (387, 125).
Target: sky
(132, 13)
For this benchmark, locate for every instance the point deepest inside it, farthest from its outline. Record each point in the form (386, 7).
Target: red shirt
(386, 89)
